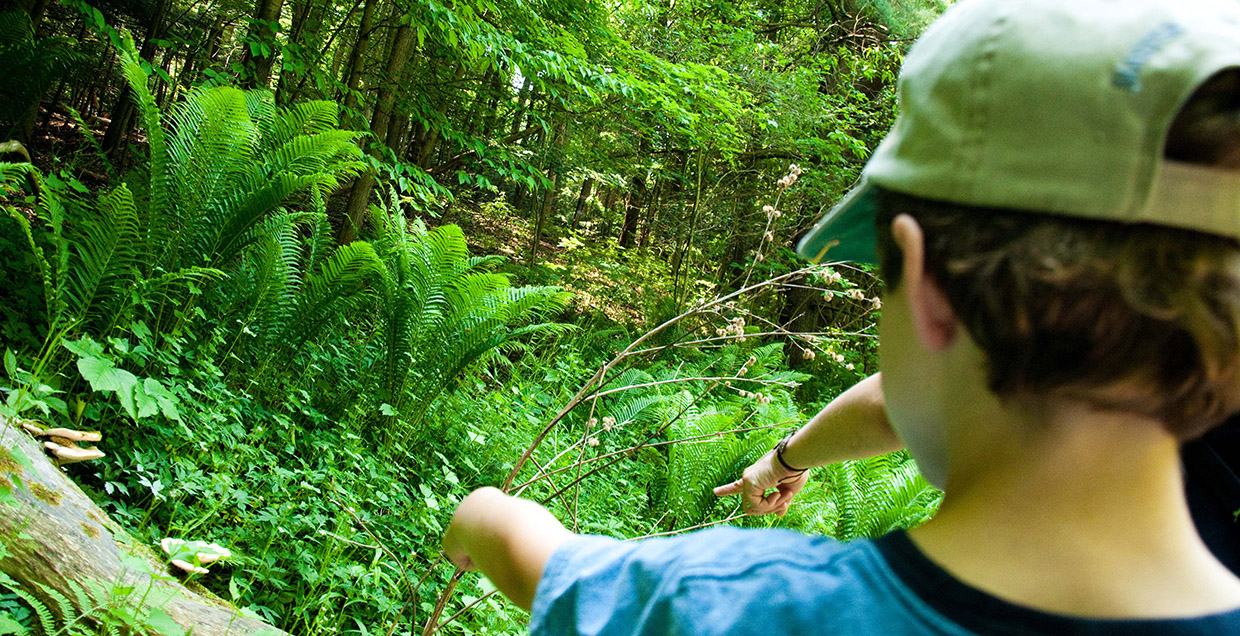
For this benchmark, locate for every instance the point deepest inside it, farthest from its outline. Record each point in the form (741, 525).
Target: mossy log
(55, 536)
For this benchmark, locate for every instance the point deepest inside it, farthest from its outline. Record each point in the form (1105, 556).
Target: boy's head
(1074, 168)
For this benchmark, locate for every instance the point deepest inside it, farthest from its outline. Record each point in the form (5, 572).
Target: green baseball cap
(1052, 106)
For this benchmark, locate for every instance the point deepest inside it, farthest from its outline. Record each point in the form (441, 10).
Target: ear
(934, 322)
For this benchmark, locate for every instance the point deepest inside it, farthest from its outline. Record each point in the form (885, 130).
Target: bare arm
(852, 426)
(508, 539)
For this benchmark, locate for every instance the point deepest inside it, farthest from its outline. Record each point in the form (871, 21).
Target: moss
(90, 530)
(8, 464)
(49, 496)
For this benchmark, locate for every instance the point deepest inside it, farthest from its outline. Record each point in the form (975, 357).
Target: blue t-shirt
(733, 581)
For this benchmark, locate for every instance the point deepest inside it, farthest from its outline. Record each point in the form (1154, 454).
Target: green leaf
(10, 626)
(163, 623)
(167, 401)
(104, 377)
(145, 403)
(10, 364)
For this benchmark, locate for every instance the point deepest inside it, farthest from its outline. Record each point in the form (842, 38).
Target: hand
(766, 474)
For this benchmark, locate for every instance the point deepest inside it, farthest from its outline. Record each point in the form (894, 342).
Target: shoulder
(724, 580)
(718, 554)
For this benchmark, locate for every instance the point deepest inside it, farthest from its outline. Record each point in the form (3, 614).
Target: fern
(28, 65)
(435, 297)
(866, 498)
(345, 273)
(103, 260)
(228, 171)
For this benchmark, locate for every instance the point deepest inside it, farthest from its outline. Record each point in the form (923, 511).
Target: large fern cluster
(441, 310)
(227, 173)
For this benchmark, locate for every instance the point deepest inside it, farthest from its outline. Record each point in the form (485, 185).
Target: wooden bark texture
(58, 537)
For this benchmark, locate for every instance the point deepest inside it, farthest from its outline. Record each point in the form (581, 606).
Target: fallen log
(55, 538)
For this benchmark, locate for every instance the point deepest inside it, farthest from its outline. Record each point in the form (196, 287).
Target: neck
(1087, 532)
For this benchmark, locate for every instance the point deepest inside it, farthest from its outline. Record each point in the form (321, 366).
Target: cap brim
(846, 232)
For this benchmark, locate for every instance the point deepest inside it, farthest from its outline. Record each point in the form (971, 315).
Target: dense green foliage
(316, 276)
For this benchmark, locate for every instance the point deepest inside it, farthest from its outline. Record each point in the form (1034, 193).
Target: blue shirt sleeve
(599, 586)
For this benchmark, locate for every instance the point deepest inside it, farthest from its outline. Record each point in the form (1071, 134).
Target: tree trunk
(303, 26)
(548, 202)
(59, 538)
(632, 211)
(522, 99)
(35, 9)
(402, 48)
(660, 184)
(357, 60)
(587, 186)
(682, 257)
(266, 22)
(122, 114)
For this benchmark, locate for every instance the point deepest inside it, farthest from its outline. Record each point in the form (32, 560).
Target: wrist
(782, 459)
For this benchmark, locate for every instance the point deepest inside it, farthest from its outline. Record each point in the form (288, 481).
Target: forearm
(508, 539)
(853, 426)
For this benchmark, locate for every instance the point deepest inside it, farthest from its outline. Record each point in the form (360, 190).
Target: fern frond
(350, 270)
(104, 261)
(161, 195)
(305, 118)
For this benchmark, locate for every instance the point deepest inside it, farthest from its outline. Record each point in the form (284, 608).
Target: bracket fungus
(191, 556)
(62, 443)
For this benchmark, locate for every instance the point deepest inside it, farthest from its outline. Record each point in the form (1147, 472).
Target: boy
(1057, 216)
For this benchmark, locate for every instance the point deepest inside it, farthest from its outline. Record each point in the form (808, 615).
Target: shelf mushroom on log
(63, 443)
(59, 538)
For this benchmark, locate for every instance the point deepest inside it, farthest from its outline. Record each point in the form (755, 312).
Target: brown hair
(1071, 306)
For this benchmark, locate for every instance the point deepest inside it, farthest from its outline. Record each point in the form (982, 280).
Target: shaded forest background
(317, 269)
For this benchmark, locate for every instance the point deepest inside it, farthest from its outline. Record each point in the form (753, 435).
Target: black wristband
(779, 453)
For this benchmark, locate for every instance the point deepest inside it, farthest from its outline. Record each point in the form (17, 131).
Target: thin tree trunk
(682, 257)
(523, 98)
(304, 26)
(587, 185)
(122, 114)
(632, 211)
(357, 60)
(548, 202)
(260, 62)
(402, 48)
(660, 184)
